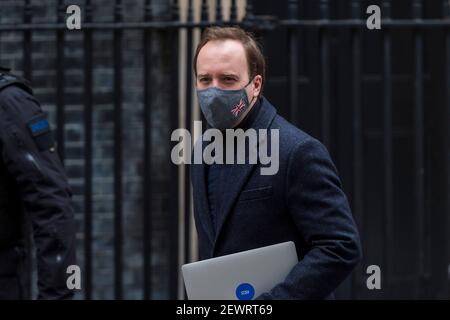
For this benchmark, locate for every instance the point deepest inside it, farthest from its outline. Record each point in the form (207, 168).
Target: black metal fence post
(87, 70)
(358, 172)
(233, 12)
(27, 68)
(118, 156)
(174, 172)
(387, 148)
(219, 18)
(293, 61)
(325, 73)
(446, 15)
(204, 13)
(188, 122)
(60, 83)
(27, 40)
(419, 146)
(147, 186)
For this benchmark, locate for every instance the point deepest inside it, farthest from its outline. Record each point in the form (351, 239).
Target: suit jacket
(303, 202)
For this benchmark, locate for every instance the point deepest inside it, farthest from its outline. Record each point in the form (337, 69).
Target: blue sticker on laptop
(245, 291)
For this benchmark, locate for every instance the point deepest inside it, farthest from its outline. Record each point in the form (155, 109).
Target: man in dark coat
(237, 208)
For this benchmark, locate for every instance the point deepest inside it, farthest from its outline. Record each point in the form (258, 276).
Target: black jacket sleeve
(29, 154)
(323, 217)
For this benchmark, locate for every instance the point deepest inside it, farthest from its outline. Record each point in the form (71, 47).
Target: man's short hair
(255, 59)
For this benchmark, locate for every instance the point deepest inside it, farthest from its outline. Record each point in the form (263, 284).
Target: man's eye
(204, 79)
(229, 79)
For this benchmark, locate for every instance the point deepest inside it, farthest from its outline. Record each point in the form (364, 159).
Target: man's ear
(257, 85)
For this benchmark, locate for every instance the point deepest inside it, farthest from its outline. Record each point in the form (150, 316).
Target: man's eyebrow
(230, 75)
(200, 75)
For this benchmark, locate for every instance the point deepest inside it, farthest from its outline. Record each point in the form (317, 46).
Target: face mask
(223, 109)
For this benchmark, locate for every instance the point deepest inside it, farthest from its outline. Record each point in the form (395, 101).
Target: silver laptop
(239, 276)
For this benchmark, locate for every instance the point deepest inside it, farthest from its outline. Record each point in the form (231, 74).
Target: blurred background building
(117, 88)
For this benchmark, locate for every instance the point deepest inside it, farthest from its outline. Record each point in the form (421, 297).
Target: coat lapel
(238, 174)
(201, 196)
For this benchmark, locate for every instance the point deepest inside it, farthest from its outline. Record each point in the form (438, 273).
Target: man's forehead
(222, 56)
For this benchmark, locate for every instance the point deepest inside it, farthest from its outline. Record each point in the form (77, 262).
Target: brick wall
(44, 83)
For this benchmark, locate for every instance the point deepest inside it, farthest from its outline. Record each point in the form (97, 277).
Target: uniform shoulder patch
(39, 125)
(40, 130)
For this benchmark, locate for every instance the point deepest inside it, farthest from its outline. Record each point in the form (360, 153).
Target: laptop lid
(239, 276)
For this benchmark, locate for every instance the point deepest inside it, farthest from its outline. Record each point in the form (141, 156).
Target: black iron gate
(378, 99)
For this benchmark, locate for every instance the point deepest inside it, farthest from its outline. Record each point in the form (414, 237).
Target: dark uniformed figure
(33, 187)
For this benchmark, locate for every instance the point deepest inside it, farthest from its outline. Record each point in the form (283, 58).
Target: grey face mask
(223, 109)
